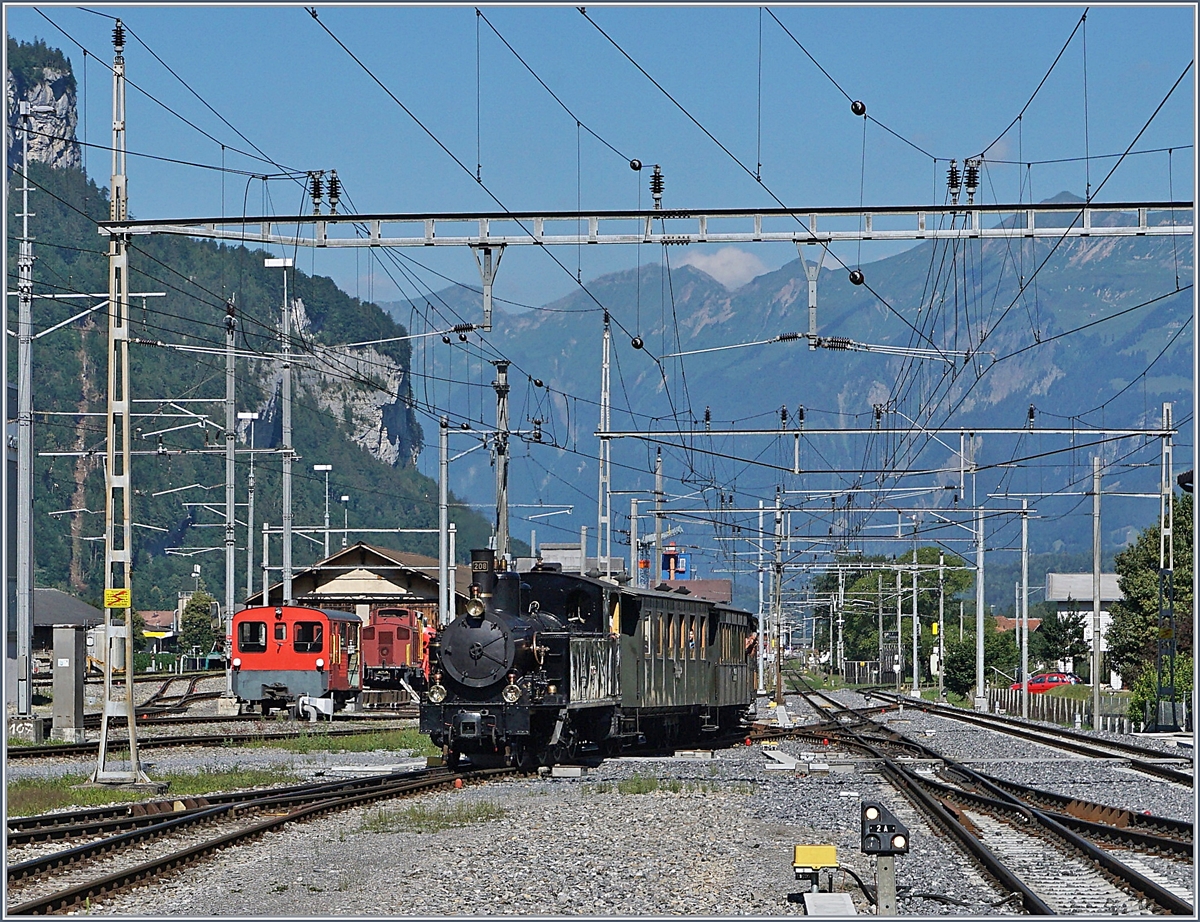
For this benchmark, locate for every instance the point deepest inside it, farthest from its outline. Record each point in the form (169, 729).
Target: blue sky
(947, 78)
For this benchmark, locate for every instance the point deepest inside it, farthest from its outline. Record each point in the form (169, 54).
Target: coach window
(281, 632)
(702, 632)
(252, 637)
(309, 637)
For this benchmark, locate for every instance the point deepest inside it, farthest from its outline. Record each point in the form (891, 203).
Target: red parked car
(1043, 682)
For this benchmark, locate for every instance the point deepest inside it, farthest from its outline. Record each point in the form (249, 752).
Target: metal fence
(1114, 710)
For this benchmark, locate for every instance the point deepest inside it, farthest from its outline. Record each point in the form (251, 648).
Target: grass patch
(419, 818)
(31, 796)
(368, 741)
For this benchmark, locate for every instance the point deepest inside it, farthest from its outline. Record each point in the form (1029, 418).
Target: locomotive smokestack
(507, 593)
(483, 571)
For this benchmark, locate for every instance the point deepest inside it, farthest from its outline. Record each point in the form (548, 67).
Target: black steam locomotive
(544, 663)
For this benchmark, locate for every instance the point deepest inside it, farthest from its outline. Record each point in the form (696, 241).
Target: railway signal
(883, 836)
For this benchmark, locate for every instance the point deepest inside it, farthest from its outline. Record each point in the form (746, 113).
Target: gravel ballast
(715, 838)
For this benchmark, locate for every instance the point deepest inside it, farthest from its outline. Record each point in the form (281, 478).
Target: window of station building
(309, 637)
(280, 632)
(252, 637)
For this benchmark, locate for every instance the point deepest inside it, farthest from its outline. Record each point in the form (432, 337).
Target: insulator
(707, 418)
(230, 323)
(1032, 414)
(786, 337)
(636, 342)
(972, 176)
(783, 415)
(858, 107)
(836, 342)
(635, 165)
(314, 189)
(878, 415)
(537, 382)
(462, 328)
(856, 277)
(119, 36)
(800, 414)
(446, 340)
(161, 449)
(335, 191)
(656, 187)
(953, 179)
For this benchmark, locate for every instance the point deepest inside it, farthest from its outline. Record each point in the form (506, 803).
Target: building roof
(1003, 624)
(1077, 587)
(53, 606)
(711, 590)
(389, 566)
(159, 620)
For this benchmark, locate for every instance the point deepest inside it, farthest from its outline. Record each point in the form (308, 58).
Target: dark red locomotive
(395, 649)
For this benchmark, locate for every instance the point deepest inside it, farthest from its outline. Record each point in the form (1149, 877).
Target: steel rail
(164, 742)
(110, 883)
(1121, 874)
(1062, 738)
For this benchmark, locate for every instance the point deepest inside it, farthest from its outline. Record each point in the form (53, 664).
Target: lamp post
(345, 517)
(326, 468)
(250, 512)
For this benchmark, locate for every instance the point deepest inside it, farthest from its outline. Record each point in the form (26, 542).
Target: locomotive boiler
(544, 663)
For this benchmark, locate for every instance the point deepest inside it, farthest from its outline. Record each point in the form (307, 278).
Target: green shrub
(1141, 701)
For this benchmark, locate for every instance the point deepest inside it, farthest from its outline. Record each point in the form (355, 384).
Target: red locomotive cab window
(368, 633)
(252, 637)
(280, 632)
(309, 637)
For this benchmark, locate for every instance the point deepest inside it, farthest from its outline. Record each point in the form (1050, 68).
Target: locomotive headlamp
(511, 694)
(237, 662)
(278, 613)
(475, 608)
(437, 694)
(320, 664)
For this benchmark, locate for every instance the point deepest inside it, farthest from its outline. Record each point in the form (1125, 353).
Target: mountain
(1087, 331)
(352, 408)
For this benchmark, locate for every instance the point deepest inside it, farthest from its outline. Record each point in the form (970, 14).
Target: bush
(1141, 703)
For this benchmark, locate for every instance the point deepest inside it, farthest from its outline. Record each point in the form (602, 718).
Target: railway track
(1061, 855)
(71, 750)
(112, 855)
(1142, 758)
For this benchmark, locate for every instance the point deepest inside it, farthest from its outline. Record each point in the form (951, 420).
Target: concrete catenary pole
(285, 336)
(501, 387)
(1096, 591)
(230, 474)
(443, 522)
(1024, 608)
(24, 536)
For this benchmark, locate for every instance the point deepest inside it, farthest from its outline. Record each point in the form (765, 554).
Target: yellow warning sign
(116, 598)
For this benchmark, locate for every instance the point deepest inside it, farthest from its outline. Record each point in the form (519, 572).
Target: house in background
(363, 577)
(1072, 593)
(53, 606)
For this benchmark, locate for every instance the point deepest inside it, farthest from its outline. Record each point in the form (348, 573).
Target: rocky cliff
(42, 76)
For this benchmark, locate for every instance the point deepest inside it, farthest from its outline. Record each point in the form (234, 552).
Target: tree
(197, 628)
(1060, 637)
(959, 675)
(1132, 635)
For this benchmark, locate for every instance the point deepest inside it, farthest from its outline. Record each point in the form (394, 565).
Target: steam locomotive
(545, 663)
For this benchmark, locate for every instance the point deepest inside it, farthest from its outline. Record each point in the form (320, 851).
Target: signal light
(882, 833)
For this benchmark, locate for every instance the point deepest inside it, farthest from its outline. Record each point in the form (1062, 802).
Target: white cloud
(730, 266)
